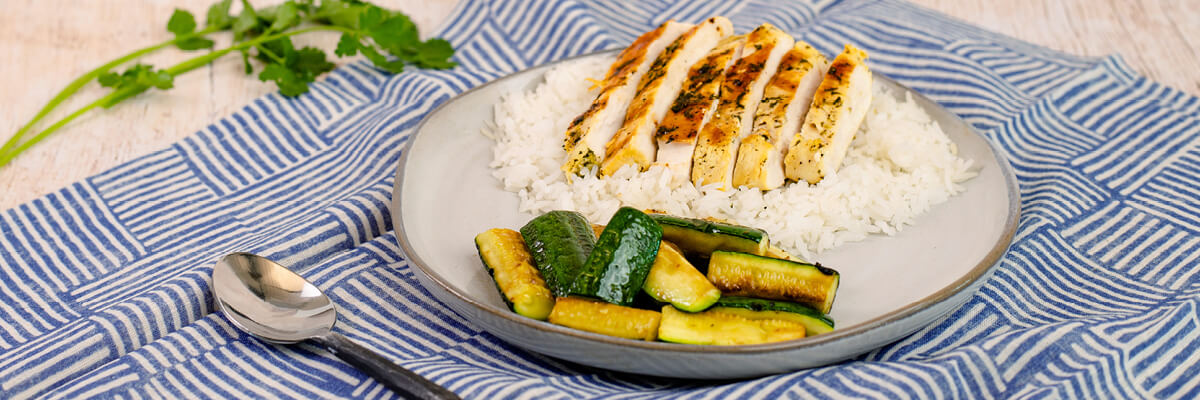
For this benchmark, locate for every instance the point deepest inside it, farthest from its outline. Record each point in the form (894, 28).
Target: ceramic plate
(891, 285)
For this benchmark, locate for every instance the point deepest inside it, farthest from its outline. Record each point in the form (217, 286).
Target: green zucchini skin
(742, 274)
(814, 321)
(618, 265)
(560, 242)
(643, 301)
(701, 237)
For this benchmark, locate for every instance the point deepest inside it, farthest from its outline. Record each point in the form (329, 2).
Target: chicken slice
(741, 91)
(590, 131)
(838, 108)
(676, 134)
(634, 142)
(785, 101)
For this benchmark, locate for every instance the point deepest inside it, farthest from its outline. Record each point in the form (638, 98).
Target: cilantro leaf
(396, 34)
(218, 15)
(139, 74)
(381, 61)
(343, 13)
(298, 68)
(181, 23)
(109, 79)
(290, 84)
(370, 17)
(309, 62)
(347, 45)
(435, 53)
(275, 50)
(285, 16)
(134, 80)
(245, 23)
(160, 79)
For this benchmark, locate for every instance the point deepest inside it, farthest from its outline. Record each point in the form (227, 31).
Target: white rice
(900, 165)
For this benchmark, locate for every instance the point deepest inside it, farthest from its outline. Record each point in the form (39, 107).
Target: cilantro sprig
(263, 37)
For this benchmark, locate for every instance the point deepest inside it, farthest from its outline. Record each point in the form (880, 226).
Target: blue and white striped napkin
(104, 285)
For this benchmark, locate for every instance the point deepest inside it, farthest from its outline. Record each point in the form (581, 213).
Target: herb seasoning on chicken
(837, 110)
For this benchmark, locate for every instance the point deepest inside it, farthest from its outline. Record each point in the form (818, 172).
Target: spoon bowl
(270, 301)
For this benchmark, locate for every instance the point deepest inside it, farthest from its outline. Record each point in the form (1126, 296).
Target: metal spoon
(277, 305)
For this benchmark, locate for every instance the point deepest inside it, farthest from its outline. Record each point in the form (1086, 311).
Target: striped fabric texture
(105, 284)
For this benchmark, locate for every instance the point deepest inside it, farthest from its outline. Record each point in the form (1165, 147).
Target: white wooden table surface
(46, 43)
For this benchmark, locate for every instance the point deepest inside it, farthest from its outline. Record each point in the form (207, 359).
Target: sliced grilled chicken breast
(785, 102)
(634, 142)
(741, 91)
(676, 134)
(837, 110)
(590, 131)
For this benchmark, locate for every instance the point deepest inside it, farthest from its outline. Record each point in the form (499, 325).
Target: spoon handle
(402, 381)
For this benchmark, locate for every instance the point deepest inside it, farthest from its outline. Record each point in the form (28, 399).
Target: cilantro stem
(119, 95)
(203, 60)
(88, 77)
(5, 158)
(270, 54)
